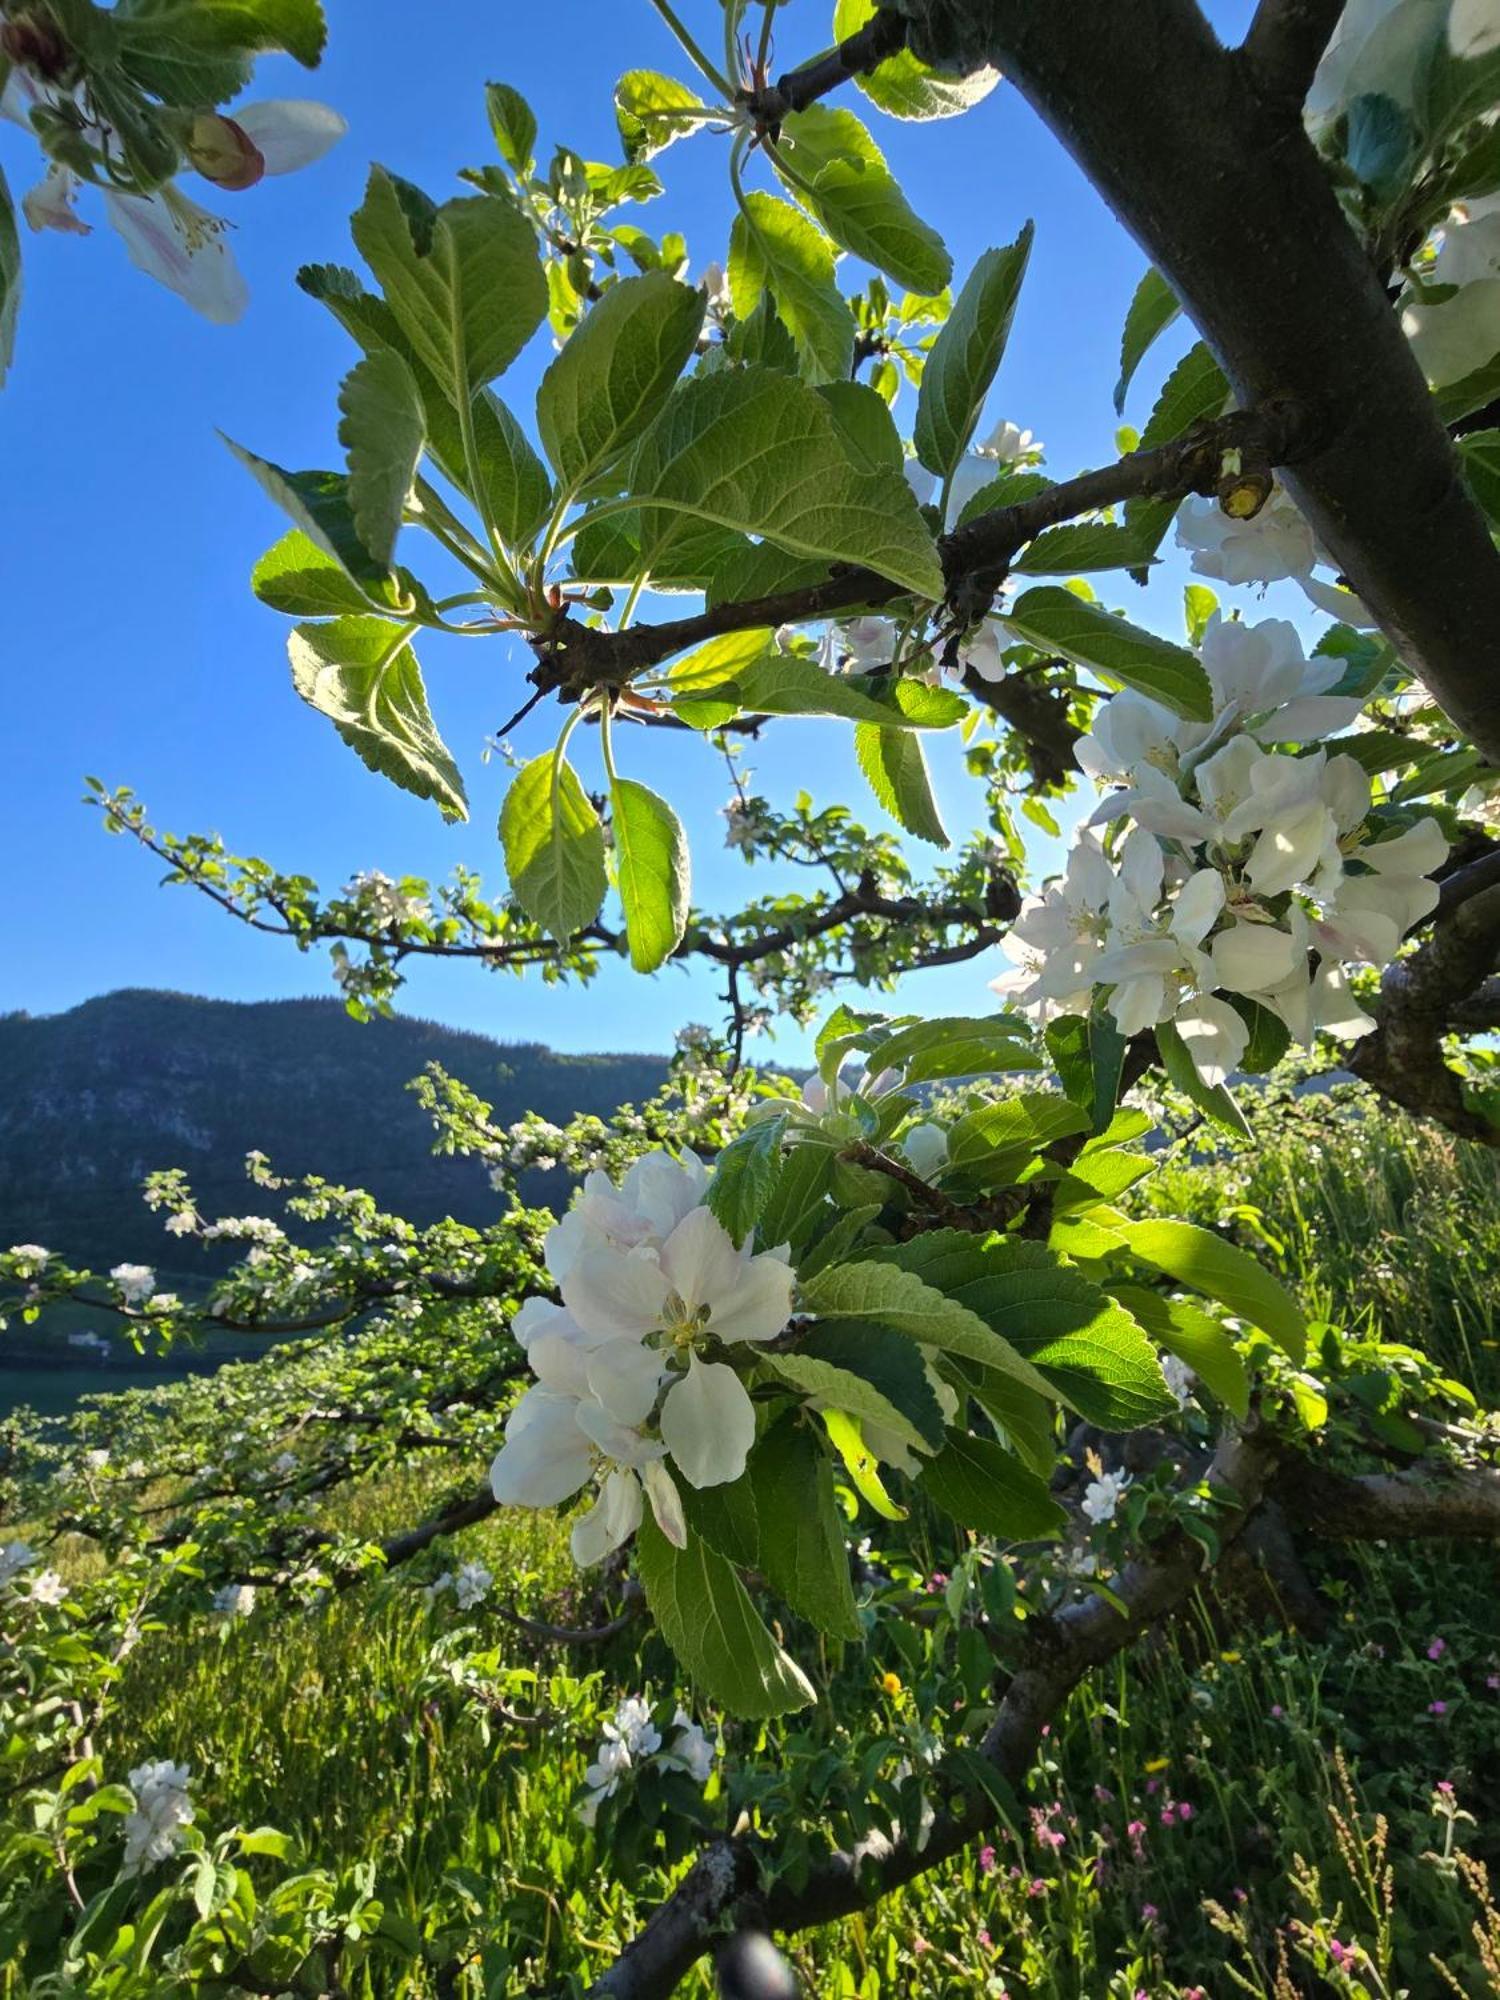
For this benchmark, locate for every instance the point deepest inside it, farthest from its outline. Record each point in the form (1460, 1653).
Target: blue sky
(137, 651)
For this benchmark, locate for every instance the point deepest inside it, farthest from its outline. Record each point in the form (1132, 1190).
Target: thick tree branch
(1284, 46)
(1421, 999)
(1463, 1504)
(576, 658)
(1228, 197)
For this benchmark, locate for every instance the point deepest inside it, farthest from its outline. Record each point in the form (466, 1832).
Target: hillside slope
(94, 1099)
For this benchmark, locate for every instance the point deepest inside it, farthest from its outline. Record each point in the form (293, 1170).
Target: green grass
(1308, 1765)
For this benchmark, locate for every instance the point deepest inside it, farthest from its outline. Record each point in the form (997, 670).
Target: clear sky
(136, 651)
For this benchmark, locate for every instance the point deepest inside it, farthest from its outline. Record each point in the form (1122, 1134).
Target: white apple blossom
(688, 1749)
(234, 1600)
(1180, 1379)
(1056, 940)
(648, 1277)
(1272, 544)
(14, 1557)
(136, 1282)
(166, 234)
(1102, 1496)
(47, 1588)
(1473, 28)
(472, 1585)
(30, 1259)
(154, 1829)
(1009, 444)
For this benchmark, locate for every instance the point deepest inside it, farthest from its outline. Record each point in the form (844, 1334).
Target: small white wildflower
(136, 1282)
(1102, 1496)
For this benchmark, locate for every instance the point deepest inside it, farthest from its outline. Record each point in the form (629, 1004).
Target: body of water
(54, 1391)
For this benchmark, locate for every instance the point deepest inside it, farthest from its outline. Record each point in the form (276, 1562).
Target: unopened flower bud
(224, 153)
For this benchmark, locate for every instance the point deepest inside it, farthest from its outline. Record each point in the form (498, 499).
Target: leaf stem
(720, 82)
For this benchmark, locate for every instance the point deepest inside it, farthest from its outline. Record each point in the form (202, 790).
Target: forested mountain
(94, 1099)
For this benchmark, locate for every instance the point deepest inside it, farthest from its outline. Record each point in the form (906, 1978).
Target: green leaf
(844, 1389)
(463, 281)
(710, 1624)
(861, 1462)
(1214, 1101)
(745, 1173)
(789, 684)
(1054, 620)
(795, 1206)
(966, 354)
(1067, 1039)
(841, 175)
(762, 340)
(892, 1364)
(985, 1487)
(775, 252)
(904, 87)
(1089, 1352)
(893, 762)
(897, 1298)
(651, 862)
(648, 108)
(554, 846)
(1194, 1337)
(296, 576)
(719, 660)
(319, 504)
(869, 435)
(382, 433)
(1380, 144)
(10, 277)
(1079, 548)
(515, 493)
(727, 1518)
(1270, 1037)
(198, 52)
(1152, 311)
(1480, 452)
(1002, 1137)
(758, 452)
(615, 373)
(1208, 1264)
(363, 675)
(803, 1552)
(1195, 389)
(513, 122)
(959, 1047)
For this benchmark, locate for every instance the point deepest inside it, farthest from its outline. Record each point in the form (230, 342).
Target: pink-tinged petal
(290, 132)
(700, 1260)
(708, 1424)
(760, 1304)
(545, 1458)
(612, 1292)
(666, 1503)
(181, 245)
(49, 205)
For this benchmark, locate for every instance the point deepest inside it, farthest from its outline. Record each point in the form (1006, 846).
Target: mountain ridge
(95, 1097)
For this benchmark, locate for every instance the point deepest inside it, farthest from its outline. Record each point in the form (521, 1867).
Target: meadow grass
(1231, 1806)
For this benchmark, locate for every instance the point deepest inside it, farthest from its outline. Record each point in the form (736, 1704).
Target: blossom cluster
(154, 1828)
(168, 235)
(1251, 870)
(632, 1740)
(627, 1367)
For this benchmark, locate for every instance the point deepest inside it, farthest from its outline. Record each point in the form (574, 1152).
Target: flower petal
(181, 245)
(708, 1424)
(290, 132)
(611, 1292)
(545, 1457)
